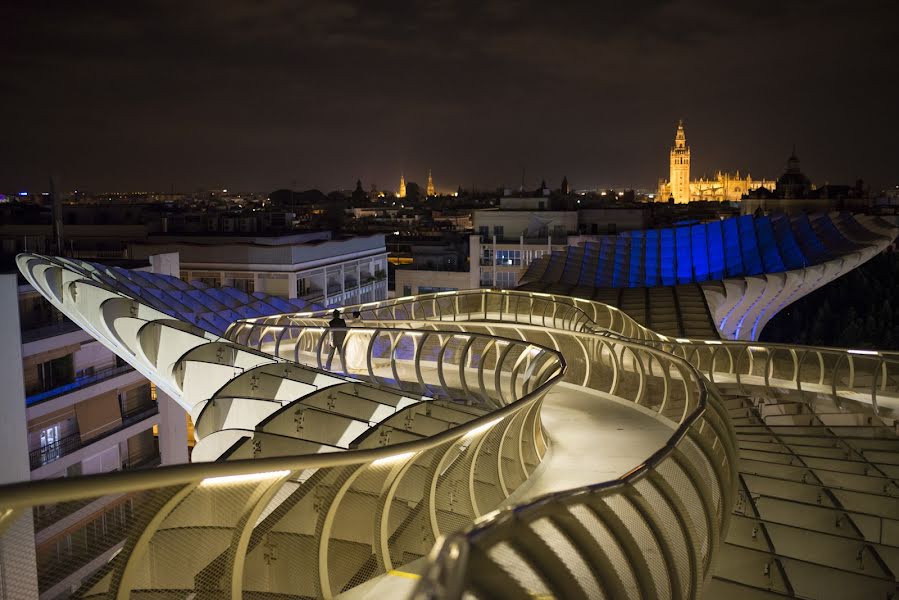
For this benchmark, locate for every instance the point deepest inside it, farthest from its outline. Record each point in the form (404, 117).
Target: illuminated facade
(402, 192)
(679, 184)
(723, 187)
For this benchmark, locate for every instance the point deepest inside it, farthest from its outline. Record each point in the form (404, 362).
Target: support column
(172, 430)
(18, 565)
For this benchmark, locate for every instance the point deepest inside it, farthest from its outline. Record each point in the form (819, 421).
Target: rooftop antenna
(58, 246)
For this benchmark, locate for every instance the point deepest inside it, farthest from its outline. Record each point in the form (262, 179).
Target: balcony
(70, 443)
(33, 332)
(80, 382)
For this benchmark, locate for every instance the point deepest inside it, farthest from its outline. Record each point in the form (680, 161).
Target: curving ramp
(437, 452)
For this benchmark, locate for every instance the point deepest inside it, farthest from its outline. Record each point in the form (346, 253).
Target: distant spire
(430, 190)
(402, 193)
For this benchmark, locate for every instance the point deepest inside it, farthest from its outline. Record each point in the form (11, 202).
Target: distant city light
(621, 193)
(23, 193)
(603, 194)
(224, 191)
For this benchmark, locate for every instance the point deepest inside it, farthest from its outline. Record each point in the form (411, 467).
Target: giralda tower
(680, 166)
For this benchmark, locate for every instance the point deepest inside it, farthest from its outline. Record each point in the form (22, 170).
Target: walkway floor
(592, 439)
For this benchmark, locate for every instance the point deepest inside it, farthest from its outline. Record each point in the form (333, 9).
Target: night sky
(261, 94)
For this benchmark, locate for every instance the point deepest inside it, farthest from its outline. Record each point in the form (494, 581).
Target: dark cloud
(258, 94)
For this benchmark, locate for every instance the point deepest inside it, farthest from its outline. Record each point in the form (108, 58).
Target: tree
(413, 192)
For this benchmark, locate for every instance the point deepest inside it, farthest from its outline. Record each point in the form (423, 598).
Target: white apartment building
(74, 408)
(313, 266)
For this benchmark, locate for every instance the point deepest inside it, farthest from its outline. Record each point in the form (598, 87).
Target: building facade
(86, 411)
(312, 266)
(723, 187)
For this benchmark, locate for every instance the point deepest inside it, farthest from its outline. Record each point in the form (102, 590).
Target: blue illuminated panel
(622, 259)
(786, 241)
(770, 255)
(733, 258)
(574, 262)
(604, 269)
(715, 245)
(652, 257)
(589, 262)
(752, 261)
(684, 255)
(808, 240)
(667, 257)
(635, 276)
(833, 239)
(700, 253)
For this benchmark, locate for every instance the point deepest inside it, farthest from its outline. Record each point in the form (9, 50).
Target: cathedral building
(724, 186)
(402, 192)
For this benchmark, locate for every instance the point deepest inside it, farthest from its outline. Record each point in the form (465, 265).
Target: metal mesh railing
(354, 475)
(297, 519)
(652, 532)
(867, 376)
(664, 519)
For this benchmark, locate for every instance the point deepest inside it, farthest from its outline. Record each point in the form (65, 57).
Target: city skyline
(261, 97)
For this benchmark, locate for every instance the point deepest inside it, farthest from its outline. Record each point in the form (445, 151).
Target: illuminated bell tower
(680, 166)
(402, 193)
(431, 191)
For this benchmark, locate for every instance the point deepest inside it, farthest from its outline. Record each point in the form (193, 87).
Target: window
(433, 290)
(498, 231)
(49, 444)
(508, 257)
(54, 373)
(506, 279)
(248, 286)
(407, 290)
(483, 231)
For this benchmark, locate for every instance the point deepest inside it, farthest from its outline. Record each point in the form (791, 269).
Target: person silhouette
(338, 337)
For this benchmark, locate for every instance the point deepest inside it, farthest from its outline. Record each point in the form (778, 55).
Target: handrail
(618, 325)
(79, 382)
(439, 578)
(679, 497)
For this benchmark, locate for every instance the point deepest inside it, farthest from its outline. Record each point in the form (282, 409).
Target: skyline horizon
(530, 181)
